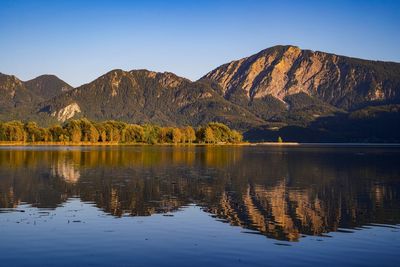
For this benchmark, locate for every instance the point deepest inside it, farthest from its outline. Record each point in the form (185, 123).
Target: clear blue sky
(81, 40)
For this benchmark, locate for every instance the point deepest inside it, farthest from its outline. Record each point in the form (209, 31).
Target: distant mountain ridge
(143, 96)
(19, 98)
(47, 86)
(264, 94)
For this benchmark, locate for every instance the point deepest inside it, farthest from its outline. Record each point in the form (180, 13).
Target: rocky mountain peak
(281, 71)
(164, 79)
(9, 86)
(9, 81)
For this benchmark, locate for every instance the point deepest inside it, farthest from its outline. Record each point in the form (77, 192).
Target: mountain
(14, 93)
(47, 86)
(306, 96)
(20, 99)
(300, 95)
(281, 71)
(143, 96)
(371, 124)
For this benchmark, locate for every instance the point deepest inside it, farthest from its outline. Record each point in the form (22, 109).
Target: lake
(200, 206)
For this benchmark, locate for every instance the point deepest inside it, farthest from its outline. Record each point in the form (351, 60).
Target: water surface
(198, 206)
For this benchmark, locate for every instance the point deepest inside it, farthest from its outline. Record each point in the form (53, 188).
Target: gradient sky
(81, 40)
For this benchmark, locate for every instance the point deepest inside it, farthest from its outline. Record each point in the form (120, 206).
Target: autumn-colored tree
(133, 133)
(102, 132)
(176, 135)
(235, 137)
(115, 131)
(117, 128)
(73, 130)
(45, 134)
(57, 133)
(221, 132)
(209, 135)
(109, 132)
(189, 134)
(89, 131)
(13, 131)
(32, 131)
(151, 134)
(165, 134)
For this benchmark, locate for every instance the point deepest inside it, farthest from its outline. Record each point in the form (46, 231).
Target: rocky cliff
(282, 71)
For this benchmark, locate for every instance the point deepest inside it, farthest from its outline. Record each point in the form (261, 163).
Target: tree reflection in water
(280, 192)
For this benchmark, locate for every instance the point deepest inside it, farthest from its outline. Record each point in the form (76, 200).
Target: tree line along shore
(117, 132)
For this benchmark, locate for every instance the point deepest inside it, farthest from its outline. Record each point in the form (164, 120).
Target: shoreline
(341, 144)
(6, 143)
(291, 144)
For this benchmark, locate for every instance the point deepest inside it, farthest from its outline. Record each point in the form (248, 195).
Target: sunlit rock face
(285, 70)
(67, 112)
(117, 81)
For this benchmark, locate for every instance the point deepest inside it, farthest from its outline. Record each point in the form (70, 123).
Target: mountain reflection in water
(280, 192)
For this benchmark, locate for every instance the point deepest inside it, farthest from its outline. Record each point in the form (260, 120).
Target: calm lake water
(199, 206)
